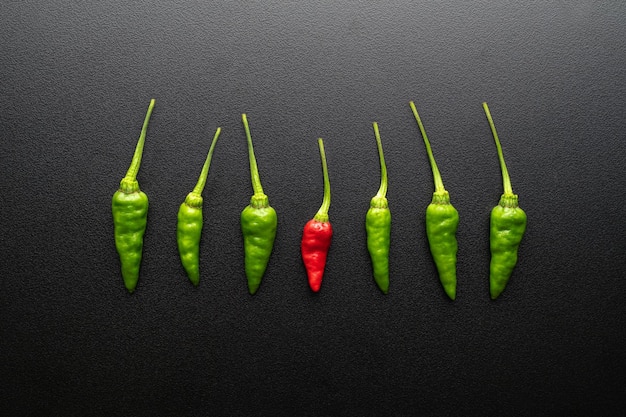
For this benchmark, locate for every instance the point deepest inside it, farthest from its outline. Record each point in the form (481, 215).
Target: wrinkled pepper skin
(129, 207)
(258, 226)
(378, 229)
(258, 223)
(442, 221)
(507, 227)
(188, 234)
(316, 239)
(130, 218)
(189, 225)
(318, 233)
(378, 224)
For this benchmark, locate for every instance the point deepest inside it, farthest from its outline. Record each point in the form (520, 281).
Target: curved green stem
(205, 168)
(322, 213)
(439, 188)
(254, 171)
(506, 181)
(382, 191)
(131, 174)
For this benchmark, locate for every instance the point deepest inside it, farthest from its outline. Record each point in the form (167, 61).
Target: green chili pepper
(258, 224)
(130, 214)
(507, 227)
(442, 221)
(189, 228)
(378, 225)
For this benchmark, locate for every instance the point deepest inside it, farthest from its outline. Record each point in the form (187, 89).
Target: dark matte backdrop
(75, 84)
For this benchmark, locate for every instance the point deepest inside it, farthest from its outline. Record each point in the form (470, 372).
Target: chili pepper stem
(194, 198)
(259, 198)
(322, 213)
(136, 161)
(439, 188)
(207, 163)
(129, 183)
(382, 191)
(506, 181)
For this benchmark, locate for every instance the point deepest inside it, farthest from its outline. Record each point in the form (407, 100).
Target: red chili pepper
(317, 234)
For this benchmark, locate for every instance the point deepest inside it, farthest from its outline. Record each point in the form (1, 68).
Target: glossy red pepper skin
(317, 234)
(316, 240)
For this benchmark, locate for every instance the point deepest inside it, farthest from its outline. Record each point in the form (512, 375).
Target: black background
(75, 84)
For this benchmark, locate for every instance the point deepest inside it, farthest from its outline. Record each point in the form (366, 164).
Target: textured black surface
(74, 86)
